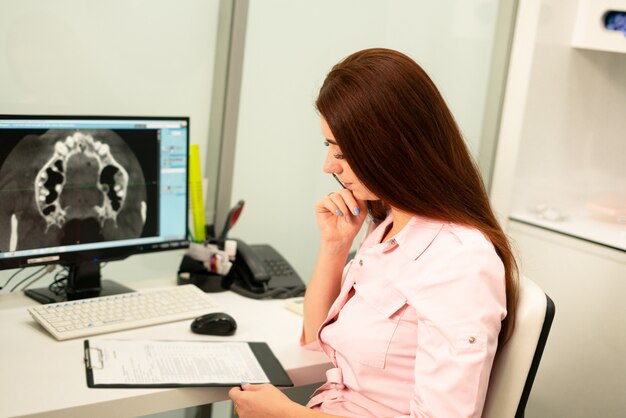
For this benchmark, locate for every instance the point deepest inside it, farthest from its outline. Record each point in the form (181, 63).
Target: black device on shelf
(80, 190)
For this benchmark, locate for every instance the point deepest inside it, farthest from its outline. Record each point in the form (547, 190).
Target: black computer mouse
(216, 323)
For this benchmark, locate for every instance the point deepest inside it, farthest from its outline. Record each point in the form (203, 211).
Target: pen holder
(192, 271)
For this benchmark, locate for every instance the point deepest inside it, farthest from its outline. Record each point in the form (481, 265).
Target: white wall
(290, 46)
(140, 57)
(114, 57)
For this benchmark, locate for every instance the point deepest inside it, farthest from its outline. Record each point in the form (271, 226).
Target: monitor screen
(79, 190)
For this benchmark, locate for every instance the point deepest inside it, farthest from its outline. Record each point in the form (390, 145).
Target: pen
(338, 181)
(336, 177)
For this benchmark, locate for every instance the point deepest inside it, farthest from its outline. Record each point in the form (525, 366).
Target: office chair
(516, 364)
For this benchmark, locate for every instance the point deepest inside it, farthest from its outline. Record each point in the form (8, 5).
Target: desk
(40, 376)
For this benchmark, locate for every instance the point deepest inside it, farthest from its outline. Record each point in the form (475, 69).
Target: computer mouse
(216, 323)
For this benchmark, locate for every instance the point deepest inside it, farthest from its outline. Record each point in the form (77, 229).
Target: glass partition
(289, 48)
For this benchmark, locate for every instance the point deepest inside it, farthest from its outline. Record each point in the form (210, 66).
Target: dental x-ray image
(64, 187)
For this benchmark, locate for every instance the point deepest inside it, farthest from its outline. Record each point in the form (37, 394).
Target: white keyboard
(85, 317)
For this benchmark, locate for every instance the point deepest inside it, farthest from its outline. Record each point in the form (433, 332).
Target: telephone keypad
(277, 267)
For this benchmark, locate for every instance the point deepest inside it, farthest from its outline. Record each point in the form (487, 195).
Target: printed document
(149, 362)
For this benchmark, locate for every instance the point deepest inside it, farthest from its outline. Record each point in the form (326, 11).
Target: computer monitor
(81, 190)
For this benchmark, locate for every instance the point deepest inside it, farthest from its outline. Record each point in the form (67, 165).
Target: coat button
(471, 340)
(360, 262)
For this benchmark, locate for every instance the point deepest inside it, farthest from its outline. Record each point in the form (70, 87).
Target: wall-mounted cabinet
(600, 25)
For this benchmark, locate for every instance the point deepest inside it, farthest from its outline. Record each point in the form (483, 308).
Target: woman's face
(335, 163)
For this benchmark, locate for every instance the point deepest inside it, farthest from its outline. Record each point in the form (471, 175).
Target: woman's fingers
(350, 201)
(339, 205)
(340, 216)
(343, 203)
(234, 393)
(259, 400)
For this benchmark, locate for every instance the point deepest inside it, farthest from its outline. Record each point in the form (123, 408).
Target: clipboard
(171, 364)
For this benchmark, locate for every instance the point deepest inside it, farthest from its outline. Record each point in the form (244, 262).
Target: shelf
(590, 31)
(612, 235)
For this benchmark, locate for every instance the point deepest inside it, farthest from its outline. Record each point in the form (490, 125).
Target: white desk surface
(40, 376)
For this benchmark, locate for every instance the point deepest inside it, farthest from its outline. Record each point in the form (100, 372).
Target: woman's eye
(337, 156)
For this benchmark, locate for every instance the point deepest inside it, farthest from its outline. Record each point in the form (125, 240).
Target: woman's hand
(262, 401)
(340, 216)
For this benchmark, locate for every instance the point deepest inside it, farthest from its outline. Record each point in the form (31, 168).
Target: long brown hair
(402, 142)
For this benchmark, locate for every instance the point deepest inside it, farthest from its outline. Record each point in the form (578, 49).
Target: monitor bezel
(77, 257)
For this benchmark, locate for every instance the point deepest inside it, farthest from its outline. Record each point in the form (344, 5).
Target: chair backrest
(516, 363)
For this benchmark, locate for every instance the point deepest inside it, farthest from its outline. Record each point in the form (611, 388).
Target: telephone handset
(253, 268)
(260, 272)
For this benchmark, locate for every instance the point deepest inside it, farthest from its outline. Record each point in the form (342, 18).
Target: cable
(12, 276)
(28, 277)
(59, 282)
(49, 269)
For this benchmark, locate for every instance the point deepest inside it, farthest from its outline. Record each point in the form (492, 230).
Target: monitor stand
(83, 282)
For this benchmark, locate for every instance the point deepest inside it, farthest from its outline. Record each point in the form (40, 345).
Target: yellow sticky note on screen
(195, 194)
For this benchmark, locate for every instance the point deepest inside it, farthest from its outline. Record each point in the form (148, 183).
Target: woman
(412, 323)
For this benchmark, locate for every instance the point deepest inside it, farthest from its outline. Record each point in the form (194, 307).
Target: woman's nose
(331, 165)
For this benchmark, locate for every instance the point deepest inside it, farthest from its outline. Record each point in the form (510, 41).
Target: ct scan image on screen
(63, 187)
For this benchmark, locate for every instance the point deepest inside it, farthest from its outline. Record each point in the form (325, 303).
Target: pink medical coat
(418, 337)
